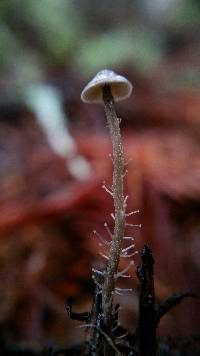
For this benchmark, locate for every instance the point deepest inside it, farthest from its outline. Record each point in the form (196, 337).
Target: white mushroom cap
(121, 88)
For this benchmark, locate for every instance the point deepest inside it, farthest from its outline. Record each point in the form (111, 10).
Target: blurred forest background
(54, 156)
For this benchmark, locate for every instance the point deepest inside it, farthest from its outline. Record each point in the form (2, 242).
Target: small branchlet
(170, 303)
(122, 273)
(109, 191)
(76, 316)
(102, 240)
(108, 230)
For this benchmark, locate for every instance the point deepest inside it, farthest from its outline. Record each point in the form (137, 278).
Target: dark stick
(146, 330)
(149, 312)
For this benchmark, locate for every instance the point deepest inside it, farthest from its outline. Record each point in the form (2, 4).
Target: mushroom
(121, 88)
(107, 87)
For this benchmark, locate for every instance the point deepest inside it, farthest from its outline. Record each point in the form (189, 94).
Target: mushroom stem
(119, 206)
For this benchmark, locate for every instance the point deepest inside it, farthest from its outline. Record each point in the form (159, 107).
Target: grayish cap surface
(121, 88)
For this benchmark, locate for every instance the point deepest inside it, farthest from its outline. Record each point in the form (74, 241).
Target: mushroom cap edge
(121, 87)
